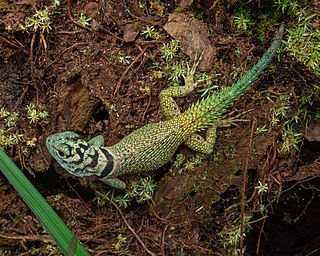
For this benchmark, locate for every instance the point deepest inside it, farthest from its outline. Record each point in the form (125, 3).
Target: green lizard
(153, 145)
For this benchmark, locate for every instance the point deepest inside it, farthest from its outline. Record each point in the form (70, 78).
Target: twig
(271, 92)
(116, 91)
(128, 225)
(32, 238)
(146, 109)
(244, 181)
(312, 253)
(20, 99)
(163, 240)
(13, 44)
(31, 60)
(72, 19)
(259, 238)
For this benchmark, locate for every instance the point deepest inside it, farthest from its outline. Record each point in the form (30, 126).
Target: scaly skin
(153, 145)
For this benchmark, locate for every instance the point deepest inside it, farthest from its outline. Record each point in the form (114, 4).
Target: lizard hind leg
(203, 145)
(169, 107)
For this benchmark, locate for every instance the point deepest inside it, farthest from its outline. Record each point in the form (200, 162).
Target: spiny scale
(153, 145)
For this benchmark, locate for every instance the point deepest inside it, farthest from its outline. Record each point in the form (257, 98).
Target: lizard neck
(107, 167)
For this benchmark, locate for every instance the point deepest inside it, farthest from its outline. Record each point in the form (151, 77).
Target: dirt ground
(102, 77)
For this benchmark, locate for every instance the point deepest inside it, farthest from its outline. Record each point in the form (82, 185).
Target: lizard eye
(61, 154)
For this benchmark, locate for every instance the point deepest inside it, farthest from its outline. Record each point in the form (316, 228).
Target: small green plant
(192, 163)
(303, 44)
(230, 151)
(303, 38)
(8, 140)
(177, 163)
(143, 190)
(280, 109)
(199, 16)
(216, 157)
(83, 20)
(290, 140)
(142, 5)
(4, 113)
(168, 51)
(150, 32)
(230, 239)
(100, 200)
(121, 240)
(261, 130)
(136, 26)
(173, 71)
(53, 250)
(208, 86)
(31, 143)
(261, 188)
(123, 58)
(123, 201)
(120, 57)
(8, 136)
(285, 6)
(40, 21)
(306, 100)
(36, 114)
(146, 90)
(176, 71)
(243, 18)
(10, 119)
(56, 3)
(266, 21)
(140, 191)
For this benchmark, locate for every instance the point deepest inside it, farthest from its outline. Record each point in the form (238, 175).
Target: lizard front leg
(114, 182)
(97, 141)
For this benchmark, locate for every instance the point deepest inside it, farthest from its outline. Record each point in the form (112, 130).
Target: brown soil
(79, 75)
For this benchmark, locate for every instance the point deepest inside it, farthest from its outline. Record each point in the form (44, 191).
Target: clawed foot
(229, 120)
(189, 78)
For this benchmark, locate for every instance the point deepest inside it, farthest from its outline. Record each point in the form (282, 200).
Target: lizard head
(75, 155)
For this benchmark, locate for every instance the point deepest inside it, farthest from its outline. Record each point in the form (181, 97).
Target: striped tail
(206, 111)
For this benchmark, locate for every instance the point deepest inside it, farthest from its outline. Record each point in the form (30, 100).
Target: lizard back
(149, 147)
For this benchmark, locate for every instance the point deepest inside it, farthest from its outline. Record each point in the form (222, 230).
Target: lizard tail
(205, 112)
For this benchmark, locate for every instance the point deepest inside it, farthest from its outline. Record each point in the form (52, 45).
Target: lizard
(153, 145)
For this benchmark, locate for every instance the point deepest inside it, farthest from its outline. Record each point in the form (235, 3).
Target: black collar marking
(106, 171)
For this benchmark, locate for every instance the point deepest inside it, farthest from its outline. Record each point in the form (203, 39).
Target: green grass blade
(60, 233)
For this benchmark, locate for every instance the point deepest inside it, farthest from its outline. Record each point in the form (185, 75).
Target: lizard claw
(228, 120)
(189, 78)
